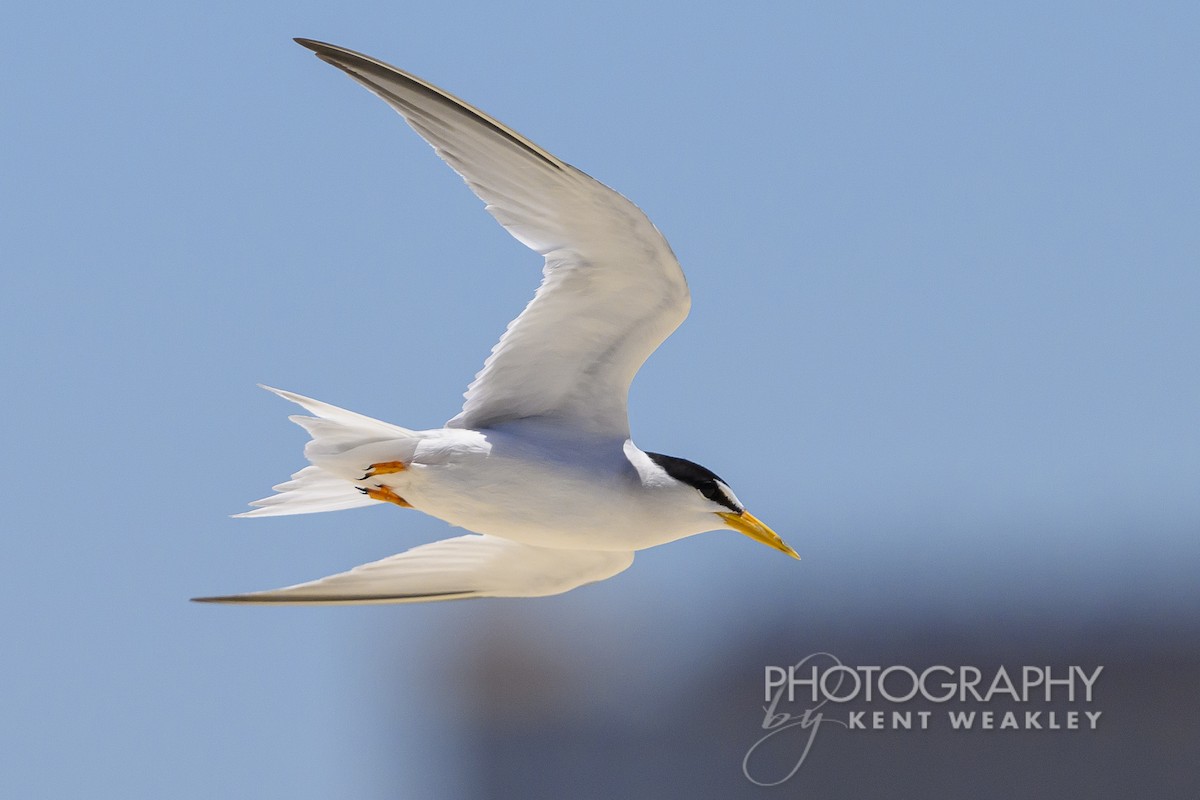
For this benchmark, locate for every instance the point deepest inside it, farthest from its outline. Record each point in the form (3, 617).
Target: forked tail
(343, 442)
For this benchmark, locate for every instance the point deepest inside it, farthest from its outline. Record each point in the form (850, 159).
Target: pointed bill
(750, 525)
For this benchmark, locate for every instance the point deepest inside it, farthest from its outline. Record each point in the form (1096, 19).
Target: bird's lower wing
(453, 569)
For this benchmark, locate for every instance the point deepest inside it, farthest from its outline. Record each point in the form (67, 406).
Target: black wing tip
(332, 54)
(313, 44)
(337, 55)
(349, 60)
(355, 64)
(267, 599)
(232, 598)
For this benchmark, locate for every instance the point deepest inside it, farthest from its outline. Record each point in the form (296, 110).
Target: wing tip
(313, 44)
(355, 64)
(271, 598)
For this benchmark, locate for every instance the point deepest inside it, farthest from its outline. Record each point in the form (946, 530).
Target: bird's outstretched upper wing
(452, 569)
(612, 289)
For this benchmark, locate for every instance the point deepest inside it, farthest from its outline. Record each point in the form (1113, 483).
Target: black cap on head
(702, 479)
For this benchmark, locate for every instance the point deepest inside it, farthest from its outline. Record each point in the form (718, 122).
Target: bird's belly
(542, 504)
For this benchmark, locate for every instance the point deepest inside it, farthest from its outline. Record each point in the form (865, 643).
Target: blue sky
(944, 262)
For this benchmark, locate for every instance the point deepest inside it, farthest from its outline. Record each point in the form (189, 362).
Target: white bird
(539, 462)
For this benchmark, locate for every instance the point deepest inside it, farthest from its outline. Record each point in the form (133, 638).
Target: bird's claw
(384, 468)
(384, 494)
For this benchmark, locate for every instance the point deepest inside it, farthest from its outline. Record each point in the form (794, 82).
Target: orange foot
(385, 493)
(384, 468)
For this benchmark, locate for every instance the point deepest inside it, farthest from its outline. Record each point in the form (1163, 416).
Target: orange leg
(385, 494)
(384, 468)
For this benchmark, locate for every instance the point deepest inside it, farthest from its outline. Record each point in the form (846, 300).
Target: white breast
(527, 483)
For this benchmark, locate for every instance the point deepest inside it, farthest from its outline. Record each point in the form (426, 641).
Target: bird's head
(717, 498)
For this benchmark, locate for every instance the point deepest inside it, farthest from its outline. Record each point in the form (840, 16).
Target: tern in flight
(539, 464)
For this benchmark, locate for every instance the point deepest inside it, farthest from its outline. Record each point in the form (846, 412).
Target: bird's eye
(718, 493)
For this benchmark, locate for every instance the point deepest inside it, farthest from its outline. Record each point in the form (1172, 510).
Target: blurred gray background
(944, 336)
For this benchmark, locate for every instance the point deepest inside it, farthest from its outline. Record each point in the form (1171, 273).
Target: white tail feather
(310, 490)
(340, 415)
(343, 444)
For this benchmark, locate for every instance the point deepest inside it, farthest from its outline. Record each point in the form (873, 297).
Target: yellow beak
(748, 524)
